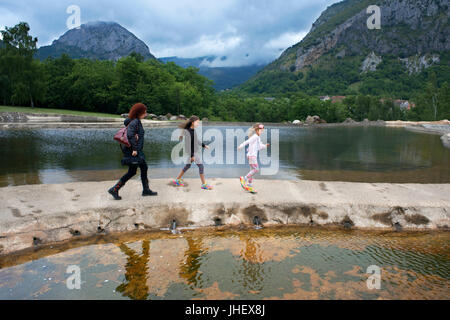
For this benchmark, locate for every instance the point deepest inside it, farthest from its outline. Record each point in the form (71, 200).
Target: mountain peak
(96, 40)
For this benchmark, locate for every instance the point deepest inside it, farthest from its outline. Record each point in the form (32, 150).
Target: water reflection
(279, 263)
(189, 269)
(136, 275)
(367, 154)
(250, 273)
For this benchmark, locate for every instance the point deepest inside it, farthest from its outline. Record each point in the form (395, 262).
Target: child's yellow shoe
(251, 190)
(178, 183)
(243, 184)
(207, 187)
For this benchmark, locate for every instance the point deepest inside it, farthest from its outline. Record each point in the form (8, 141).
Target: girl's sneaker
(251, 190)
(243, 183)
(207, 187)
(178, 183)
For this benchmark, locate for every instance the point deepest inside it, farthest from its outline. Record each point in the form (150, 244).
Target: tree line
(94, 85)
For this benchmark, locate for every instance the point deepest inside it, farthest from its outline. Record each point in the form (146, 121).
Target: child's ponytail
(252, 130)
(188, 123)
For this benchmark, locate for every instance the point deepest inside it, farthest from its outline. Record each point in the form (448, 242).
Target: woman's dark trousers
(132, 170)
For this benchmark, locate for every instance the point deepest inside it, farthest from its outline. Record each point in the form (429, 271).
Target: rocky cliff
(96, 40)
(408, 27)
(414, 33)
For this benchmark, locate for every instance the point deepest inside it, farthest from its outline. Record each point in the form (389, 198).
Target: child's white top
(254, 145)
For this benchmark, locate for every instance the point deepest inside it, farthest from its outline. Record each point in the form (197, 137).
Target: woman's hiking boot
(146, 190)
(114, 191)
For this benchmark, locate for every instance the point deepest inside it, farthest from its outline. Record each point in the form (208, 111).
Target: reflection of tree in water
(135, 285)
(21, 157)
(318, 149)
(190, 269)
(251, 271)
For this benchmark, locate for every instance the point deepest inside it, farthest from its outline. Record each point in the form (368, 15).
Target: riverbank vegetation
(111, 87)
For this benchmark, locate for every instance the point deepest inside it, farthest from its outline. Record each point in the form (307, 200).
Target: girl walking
(194, 155)
(134, 156)
(254, 145)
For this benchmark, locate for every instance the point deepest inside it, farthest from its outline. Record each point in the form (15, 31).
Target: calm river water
(358, 154)
(281, 263)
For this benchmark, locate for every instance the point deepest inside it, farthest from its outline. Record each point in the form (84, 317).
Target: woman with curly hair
(134, 156)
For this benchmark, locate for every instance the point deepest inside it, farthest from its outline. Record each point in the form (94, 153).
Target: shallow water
(358, 154)
(279, 263)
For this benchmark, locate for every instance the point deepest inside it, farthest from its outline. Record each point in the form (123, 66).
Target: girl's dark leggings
(201, 167)
(132, 170)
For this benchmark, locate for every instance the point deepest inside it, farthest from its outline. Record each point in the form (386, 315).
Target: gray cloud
(246, 31)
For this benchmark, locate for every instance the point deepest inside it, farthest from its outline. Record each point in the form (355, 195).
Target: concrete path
(36, 214)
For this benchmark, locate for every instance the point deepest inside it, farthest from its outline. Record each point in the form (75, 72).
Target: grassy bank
(57, 111)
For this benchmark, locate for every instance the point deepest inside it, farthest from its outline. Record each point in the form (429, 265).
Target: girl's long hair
(137, 110)
(252, 130)
(188, 123)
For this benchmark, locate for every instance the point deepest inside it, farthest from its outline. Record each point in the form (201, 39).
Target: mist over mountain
(188, 62)
(224, 77)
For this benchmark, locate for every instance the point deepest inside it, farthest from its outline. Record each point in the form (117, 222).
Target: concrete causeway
(38, 214)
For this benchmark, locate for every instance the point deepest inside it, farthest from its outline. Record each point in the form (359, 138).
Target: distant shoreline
(27, 120)
(62, 120)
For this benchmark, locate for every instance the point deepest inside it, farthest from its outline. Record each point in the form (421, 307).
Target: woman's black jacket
(135, 135)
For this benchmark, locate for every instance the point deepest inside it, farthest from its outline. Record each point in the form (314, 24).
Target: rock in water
(314, 120)
(446, 140)
(349, 120)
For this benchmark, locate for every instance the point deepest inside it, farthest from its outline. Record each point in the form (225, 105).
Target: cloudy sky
(246, 31)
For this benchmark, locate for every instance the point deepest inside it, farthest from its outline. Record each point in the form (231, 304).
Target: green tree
(58, 73)
(23, 76)
(433, 104)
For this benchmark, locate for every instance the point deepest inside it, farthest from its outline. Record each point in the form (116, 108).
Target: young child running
(191, 146)
(254, 145)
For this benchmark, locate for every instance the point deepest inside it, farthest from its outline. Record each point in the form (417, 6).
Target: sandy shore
(37, 214)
